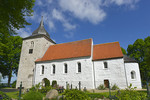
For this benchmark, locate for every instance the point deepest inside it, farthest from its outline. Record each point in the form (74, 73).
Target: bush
(75, 94)
(101, 87)
(44, 90)
(54, 83)
(4, 96)
(95, 95)
(130, 94)
(36, 87)
(115, 87)
(14, 84)
(47, 82)
(32, 95)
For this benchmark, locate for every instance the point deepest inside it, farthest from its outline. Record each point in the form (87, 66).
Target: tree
(10, 48)
(123, 51)
(13, 13)
(140, 50)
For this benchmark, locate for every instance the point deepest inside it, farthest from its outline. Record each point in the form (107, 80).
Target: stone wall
(27, 61)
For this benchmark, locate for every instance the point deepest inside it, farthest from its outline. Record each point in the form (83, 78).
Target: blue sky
(102, 20)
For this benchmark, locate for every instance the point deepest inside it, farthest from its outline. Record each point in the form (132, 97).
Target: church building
(73, 62)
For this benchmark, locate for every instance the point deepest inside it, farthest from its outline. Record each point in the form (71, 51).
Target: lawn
(13, 95)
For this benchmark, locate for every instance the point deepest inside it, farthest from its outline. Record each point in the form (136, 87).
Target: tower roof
(41, 29)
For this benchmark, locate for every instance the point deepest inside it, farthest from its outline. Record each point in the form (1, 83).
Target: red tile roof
(107, 51)
(75, 49)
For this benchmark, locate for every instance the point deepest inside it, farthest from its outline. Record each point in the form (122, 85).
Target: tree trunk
(9, 77)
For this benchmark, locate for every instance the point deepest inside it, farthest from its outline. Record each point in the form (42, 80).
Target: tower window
(32, 44)
(65, 68)
(105, 65)
(54, 68)
(133, 76)
(79, 67)
(30, 51)
(42, 69)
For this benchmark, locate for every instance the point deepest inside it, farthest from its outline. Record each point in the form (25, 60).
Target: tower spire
(41, 29)
(42, 23)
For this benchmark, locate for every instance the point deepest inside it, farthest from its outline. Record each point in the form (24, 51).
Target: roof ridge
(72, 42)
(107, 43)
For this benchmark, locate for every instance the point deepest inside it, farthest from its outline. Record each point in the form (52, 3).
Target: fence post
(20, 91)
(66, 85)
(109, 91)
(79, 85)
(71, 85)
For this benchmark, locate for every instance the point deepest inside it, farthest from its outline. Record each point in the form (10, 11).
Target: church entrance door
(106, 83)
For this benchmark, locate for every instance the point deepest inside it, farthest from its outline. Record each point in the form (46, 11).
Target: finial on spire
(42, 23)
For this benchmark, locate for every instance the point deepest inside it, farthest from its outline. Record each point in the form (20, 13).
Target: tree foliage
(140, 50)
(123, 51)
(13, 13)
(10, 48)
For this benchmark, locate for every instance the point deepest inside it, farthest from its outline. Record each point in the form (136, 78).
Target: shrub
(32, 95)
(14, 84)
(47, 82)
(101, 87)
(44, 90)
(36, 87)
(75, 94)
(95, 95)
(54, 83)
(115, 87)
(4, 96)
(130, 94)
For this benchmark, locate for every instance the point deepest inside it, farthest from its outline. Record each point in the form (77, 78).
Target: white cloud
(92, 10)
(67, 10)
(84, 9)
(24, 32)
(51, 25)
(69, 26)
(123, 2)
(59, 16)
(69, 35)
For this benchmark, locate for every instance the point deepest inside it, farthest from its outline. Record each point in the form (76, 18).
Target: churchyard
(56, 92)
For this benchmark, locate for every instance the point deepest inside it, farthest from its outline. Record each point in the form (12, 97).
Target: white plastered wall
(133, 67)
(115, 72)
(72, 77)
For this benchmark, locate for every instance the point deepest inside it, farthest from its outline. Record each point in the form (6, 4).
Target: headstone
(52, 94)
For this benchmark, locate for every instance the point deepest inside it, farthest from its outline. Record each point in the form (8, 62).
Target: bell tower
(33, 47)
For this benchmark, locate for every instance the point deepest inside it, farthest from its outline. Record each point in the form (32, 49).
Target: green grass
(13, 95)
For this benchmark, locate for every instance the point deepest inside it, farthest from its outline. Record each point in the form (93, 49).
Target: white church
(73, 62)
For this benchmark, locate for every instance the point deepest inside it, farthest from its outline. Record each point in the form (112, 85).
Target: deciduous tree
(10, 48)
(140, 50)
(13, 13)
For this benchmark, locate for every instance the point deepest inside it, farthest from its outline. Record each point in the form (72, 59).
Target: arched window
(105, 65)
(79, 67)
(65, 68)
(133, 75)
(42, 69)
(54, 68)
(32, 44)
